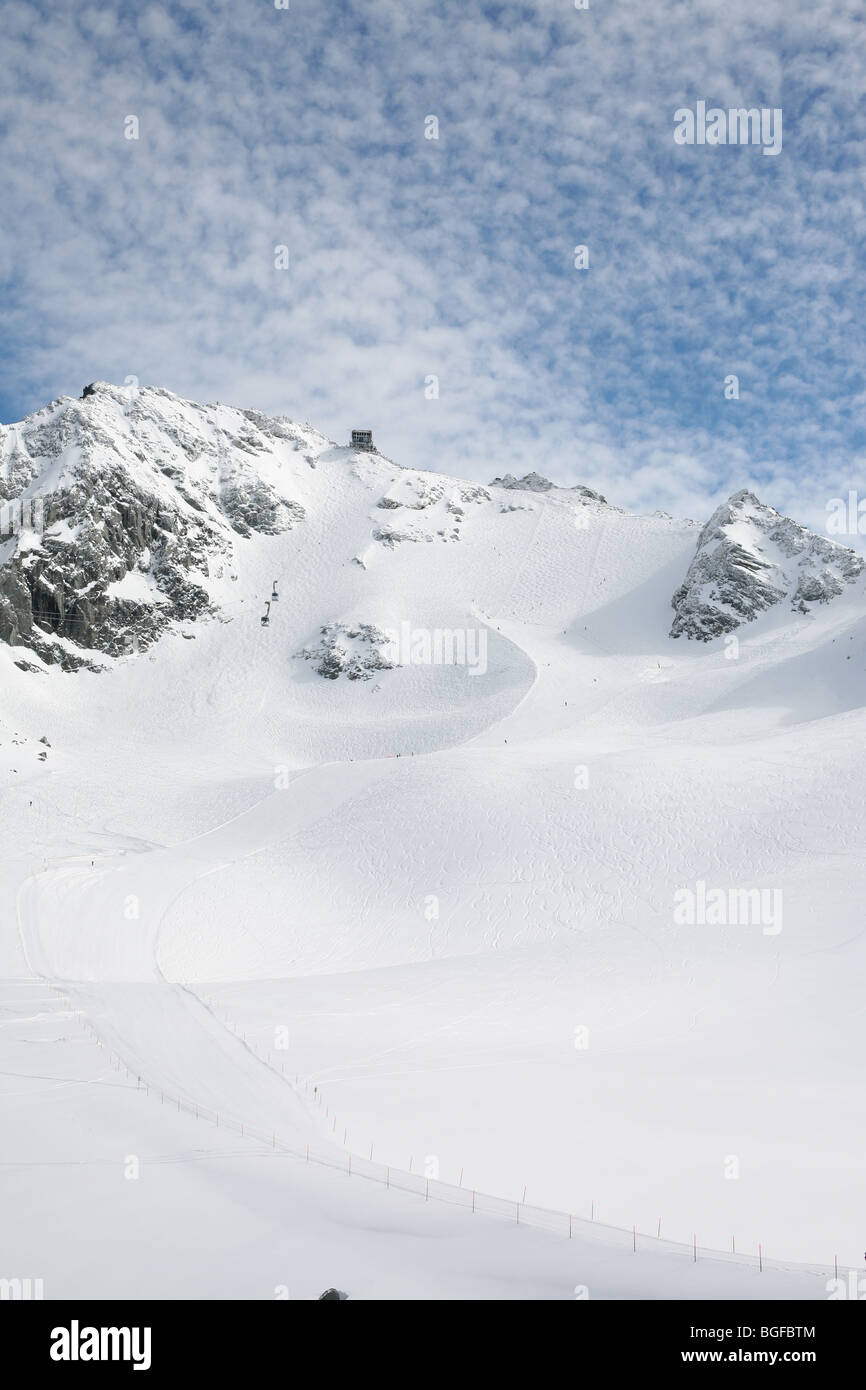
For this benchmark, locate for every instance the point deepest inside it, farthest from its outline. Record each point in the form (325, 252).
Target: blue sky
(454, 257)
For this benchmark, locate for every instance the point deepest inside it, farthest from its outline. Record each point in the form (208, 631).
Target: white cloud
(454, 257)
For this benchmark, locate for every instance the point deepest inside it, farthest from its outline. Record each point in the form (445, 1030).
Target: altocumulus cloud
(453, 257)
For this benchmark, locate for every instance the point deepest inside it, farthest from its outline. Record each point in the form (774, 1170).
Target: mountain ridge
(146, 499)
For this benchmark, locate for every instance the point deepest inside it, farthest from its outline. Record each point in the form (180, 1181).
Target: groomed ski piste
(253, 914)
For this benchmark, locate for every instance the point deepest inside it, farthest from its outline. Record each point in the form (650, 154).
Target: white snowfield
(582, 929)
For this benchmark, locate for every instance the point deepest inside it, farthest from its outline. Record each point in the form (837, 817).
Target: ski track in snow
(157, 887)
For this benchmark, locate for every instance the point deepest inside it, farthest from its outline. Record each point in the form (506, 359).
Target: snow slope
(454, 890)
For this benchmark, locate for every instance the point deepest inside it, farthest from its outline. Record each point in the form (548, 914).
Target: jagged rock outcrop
(533, 482)
(129, 511)
(357, 651)
(439, 505)
(530, 482)
(749, 558)
(119, 506)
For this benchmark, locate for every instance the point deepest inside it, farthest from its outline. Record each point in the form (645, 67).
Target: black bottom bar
(243, 1339)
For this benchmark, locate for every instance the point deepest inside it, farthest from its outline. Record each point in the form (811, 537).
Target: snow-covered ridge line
(139, 511)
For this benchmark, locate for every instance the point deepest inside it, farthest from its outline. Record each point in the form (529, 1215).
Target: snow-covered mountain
(402, 870)
(139, 500)
(145, 500)
(749, 558)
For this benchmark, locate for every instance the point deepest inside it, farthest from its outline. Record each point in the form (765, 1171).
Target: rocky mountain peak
(750, 557)
(120, 504)
(530, 482)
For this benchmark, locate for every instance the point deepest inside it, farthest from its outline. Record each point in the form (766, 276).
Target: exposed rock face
(530, 482)
(357, 651)
(533, 482)
(140, 495)
(748, 558)
(123, 514)
(439, 505)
